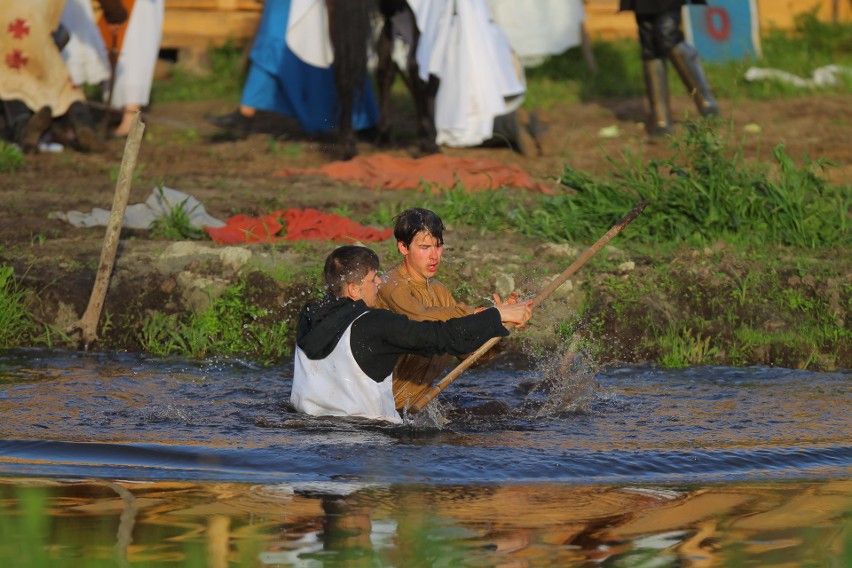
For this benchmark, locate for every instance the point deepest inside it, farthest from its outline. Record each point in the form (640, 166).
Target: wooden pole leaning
(88, 324)
(436, 389)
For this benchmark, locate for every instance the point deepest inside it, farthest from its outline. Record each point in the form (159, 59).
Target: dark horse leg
(422, 91)
(350, 31)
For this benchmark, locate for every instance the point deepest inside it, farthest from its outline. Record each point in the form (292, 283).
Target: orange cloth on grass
(301, 224)
(388, 172)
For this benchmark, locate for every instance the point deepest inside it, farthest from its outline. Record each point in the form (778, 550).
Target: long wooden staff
(88, 324)
(427, 396)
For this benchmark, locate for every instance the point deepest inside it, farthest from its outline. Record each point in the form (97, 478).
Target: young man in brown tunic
(412, 290)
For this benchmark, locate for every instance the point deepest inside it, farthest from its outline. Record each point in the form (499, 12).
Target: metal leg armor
(684, 57)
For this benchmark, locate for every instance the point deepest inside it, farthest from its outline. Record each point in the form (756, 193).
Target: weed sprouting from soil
(11, 158)
(15, 320)
(177, 225)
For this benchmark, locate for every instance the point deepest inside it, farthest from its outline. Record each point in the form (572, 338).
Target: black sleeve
(379, 337)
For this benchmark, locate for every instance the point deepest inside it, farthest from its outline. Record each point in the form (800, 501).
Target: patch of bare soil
(57, 262)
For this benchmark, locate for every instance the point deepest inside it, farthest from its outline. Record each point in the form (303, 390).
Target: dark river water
(559, 464)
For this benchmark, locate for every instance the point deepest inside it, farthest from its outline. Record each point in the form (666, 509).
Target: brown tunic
(31, 67)
(421, 301)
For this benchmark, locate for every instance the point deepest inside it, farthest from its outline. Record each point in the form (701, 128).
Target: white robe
(140, 49)
(85, 54)
(336, 386)
(540, 28)
(481, 78)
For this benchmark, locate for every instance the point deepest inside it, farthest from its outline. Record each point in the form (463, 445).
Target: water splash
(567, 384)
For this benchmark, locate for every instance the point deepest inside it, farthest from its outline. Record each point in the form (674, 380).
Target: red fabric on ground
(301, 224)
(388, 172)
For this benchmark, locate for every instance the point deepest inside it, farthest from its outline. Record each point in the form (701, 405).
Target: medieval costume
(481, 78)
(85, 53)
(661, 40)
(346, 353)
(35, 85)
(299, 84)
(420, 301)
(138, 45)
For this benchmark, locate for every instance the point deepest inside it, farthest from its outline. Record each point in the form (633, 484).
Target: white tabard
(336, 386)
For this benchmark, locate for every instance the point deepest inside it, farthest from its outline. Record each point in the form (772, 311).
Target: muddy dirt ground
(57, 261)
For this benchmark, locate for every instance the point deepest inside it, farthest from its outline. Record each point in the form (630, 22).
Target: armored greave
(657, 89)
(684, 57)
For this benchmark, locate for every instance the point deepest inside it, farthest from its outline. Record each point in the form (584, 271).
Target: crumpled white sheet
(827, 76)
(159, 204)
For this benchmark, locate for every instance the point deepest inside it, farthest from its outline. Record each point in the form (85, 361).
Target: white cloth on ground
(159, 204)
(826, 76)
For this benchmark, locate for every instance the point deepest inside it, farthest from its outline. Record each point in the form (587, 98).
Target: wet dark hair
(411, 221)
(348, 264)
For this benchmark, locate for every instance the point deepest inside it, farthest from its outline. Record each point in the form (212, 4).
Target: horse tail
(350, 23)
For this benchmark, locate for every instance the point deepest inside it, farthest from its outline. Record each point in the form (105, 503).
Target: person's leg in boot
(685, 60)
(655, 71)
(669, 42)
(238, 123)
(513, 128)
(657, 90)
(83, 125)
(28, 127)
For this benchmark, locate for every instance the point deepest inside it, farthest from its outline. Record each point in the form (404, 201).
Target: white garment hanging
(134, 73)
(481, 77)
(85, 54)
(540, 28)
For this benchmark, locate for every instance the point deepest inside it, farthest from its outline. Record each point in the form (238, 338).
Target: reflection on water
(349, 523)
(121, 459)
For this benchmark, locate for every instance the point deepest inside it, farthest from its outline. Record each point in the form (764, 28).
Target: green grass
(223, 81)
(177, 224)
(232, 325)
(705, 191)
(15, 321)
(566, 78)
(811, 44)
(11, 158)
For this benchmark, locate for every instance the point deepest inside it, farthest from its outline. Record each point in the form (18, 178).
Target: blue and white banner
(724, 30)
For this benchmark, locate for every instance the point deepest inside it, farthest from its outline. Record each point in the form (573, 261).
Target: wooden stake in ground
(88, 324)
(427, 396)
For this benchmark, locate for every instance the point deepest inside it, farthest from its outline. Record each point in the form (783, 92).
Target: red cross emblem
(16, 59)
(19, 28)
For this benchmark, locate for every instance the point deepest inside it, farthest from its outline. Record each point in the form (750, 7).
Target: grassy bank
(735, 262)
(740, 258)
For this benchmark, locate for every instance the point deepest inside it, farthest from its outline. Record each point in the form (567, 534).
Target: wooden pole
(88, 324)
(428, 395)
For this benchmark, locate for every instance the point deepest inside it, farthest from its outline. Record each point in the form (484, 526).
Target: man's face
(422, 257)
(368, 289)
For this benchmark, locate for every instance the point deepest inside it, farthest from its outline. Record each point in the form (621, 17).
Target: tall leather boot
(29, 127)
(236, 124)
(657, 90)
(83, 124)
(513, 128)
(684, 57)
